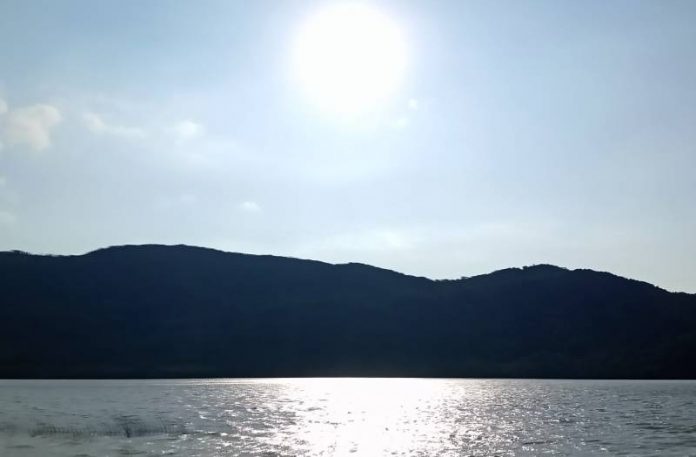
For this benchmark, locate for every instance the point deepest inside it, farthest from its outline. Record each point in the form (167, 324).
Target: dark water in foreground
(341, 417)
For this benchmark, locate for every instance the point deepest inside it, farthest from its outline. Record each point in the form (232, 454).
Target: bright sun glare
(349, 58)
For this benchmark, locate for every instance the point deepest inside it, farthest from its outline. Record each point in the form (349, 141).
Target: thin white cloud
(250, 207)
(188, 130)
(96, 124)
(3, 107)
(31, 125)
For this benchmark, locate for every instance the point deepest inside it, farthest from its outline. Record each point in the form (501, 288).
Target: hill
(181, 311)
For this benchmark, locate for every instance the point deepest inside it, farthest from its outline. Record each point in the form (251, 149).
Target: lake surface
(347, 417)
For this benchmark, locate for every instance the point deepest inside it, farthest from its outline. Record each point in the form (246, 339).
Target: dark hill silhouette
(180, 311)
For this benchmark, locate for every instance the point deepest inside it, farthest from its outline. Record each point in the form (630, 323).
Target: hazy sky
(514, 133)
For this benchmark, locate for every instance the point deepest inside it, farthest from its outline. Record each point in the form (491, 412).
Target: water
(347, 417)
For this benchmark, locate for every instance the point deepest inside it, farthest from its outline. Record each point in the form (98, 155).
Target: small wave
(20, 446)
(125, 426)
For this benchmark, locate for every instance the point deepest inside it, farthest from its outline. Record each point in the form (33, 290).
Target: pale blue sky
(522, 133)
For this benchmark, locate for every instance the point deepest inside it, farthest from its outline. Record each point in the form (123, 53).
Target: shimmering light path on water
(341, 417)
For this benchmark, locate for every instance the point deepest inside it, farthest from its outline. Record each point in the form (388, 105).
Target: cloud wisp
(250, 207)
(29, 126)
(188, 130)
(97, 125)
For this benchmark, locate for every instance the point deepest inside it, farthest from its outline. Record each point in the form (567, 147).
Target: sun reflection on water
(370, 416)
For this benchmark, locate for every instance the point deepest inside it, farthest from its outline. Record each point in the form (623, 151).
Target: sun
(349, 58)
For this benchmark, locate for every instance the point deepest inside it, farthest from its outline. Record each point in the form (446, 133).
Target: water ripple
(347, 417)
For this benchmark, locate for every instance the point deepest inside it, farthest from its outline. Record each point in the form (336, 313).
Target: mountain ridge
(537, 266)
(182, 311)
